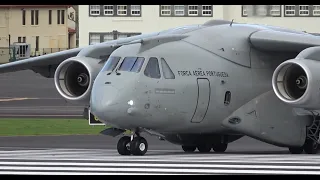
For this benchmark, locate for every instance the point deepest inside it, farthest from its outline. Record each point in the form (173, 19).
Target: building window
(185, 10)
(275, 10)
(37, 43)
(58, 17)
(193, 10)
(206, 10)
(37, 17)
(289, 10)
(50, 16)
(94, 10)
(34, 17)
(23, 17)
(108, 37)
(24, 39)
(316, 10)
(19, 39)
(179, 10)
(122, 10)
(62, 16)
(135, 10)
(304, 10)
(108, 10)
(94, 39)
(261, 10)
(244, 10)
(165, 10)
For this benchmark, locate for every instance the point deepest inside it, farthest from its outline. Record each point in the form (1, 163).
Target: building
(44, 27)
(99, 23)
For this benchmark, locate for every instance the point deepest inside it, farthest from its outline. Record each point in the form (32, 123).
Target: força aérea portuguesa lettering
(203, 73)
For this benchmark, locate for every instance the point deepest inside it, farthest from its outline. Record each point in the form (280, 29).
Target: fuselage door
(203, 101)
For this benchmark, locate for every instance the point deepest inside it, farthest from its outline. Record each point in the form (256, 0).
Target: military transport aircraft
(199, 86)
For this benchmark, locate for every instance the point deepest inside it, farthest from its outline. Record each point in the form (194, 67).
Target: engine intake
(296, 82)
(74, 78)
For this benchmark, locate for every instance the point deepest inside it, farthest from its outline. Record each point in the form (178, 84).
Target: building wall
(71, 18)
(149, 21)
(302, 22)
(52, 35)
(107, 27)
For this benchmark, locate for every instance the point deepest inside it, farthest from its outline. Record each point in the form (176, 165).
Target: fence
(43, 51)
(11, 54)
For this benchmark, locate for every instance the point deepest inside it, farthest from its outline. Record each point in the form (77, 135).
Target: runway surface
(27, 94)
(108, 162)
(96, 154)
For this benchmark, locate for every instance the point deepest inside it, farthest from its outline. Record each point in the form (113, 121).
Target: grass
(27, 127)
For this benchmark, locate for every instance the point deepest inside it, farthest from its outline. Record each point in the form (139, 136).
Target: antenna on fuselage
(231, 22)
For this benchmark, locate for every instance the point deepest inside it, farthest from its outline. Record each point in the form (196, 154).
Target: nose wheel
(138, 146)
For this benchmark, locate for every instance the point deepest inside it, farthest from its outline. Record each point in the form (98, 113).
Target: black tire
(310, 147)
(220, 148)
(138, 146)
(296, 150)
(189, 148)
(204, 148)
(122, 145)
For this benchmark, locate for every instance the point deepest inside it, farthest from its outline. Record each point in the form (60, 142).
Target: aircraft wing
(44, 60)
(270, 40)
(41, 63)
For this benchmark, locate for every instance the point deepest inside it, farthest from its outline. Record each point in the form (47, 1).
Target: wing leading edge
(270, 40)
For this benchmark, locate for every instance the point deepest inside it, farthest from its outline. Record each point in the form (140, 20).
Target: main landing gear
(135, 145)
(205, 148)
(311, 145)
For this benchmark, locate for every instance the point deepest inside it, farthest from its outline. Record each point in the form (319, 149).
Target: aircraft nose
(102, 98)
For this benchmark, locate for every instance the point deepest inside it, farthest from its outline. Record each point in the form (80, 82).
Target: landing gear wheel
(296, 150)
(189, 148)
(221, 147)
(313, 132)
(138, 146)
(310, 146)
(204, 148)
(123, 145)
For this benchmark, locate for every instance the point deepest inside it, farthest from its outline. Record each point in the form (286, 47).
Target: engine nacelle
(297, 82)
(74, 78)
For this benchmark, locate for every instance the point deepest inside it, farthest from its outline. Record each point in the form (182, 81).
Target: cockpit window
(152, 69)
(132, 64)
(167, 72)
(111, 63)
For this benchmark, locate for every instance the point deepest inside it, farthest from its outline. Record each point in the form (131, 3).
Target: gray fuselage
(215, 73)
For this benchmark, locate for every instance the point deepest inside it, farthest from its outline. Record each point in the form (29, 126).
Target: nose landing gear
(137, 145)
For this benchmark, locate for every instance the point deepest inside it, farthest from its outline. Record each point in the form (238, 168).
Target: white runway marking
(108, 162)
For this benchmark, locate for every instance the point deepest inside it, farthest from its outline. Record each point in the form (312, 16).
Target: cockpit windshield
(111, 63)
(132, 64)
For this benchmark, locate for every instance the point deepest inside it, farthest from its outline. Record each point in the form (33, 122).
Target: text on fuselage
(203, 73)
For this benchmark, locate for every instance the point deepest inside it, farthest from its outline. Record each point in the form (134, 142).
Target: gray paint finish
(244, 60)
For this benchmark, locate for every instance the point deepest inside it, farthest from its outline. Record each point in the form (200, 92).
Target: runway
(27, 94)
(108, 162)
(97, 155)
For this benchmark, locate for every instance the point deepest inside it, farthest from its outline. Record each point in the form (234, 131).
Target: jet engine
(74, 78)
(297, 82)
